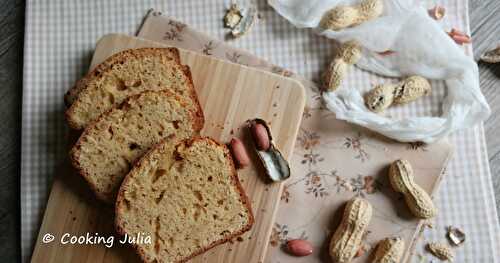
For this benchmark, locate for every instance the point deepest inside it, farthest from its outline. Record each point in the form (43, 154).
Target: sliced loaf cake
(187, 197)
(108, 148)
(125, 74)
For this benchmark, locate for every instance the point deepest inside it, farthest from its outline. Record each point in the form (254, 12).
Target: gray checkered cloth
(60, 37)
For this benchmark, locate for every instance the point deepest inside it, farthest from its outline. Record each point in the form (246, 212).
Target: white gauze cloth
(421, 47)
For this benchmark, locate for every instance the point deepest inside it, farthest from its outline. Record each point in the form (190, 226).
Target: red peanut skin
(239, 152)
(386, 53)
(299, 247)
(459, 37)
(261, 137)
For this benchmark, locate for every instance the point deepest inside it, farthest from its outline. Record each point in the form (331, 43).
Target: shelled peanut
(347, 239)
(239, 152)
(349, 54)
(261, 137)
(417, 200)
(440, 251)
(389, 250)
(408, 90)
(343, 16)
(299, 247)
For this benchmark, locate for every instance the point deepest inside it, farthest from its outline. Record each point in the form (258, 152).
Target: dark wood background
(485, 25)
(11, 79)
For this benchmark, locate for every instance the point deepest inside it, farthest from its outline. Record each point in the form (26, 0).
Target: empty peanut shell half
(233, 17)
(437, 12)
(240, 17)
(455, 235)
(492, 56)
(276, 166)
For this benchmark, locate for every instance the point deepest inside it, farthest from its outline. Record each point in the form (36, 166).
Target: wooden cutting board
(229, 94)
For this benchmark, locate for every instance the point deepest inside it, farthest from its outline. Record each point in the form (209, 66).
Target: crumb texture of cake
(187, 197)
(108, 148)
(125, 74)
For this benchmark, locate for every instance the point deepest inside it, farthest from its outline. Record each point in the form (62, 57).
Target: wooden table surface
(485, 26)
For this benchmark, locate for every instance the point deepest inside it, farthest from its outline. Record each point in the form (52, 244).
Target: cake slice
(108, 148)
(170, 54)
(125, 74)
(186, 197)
